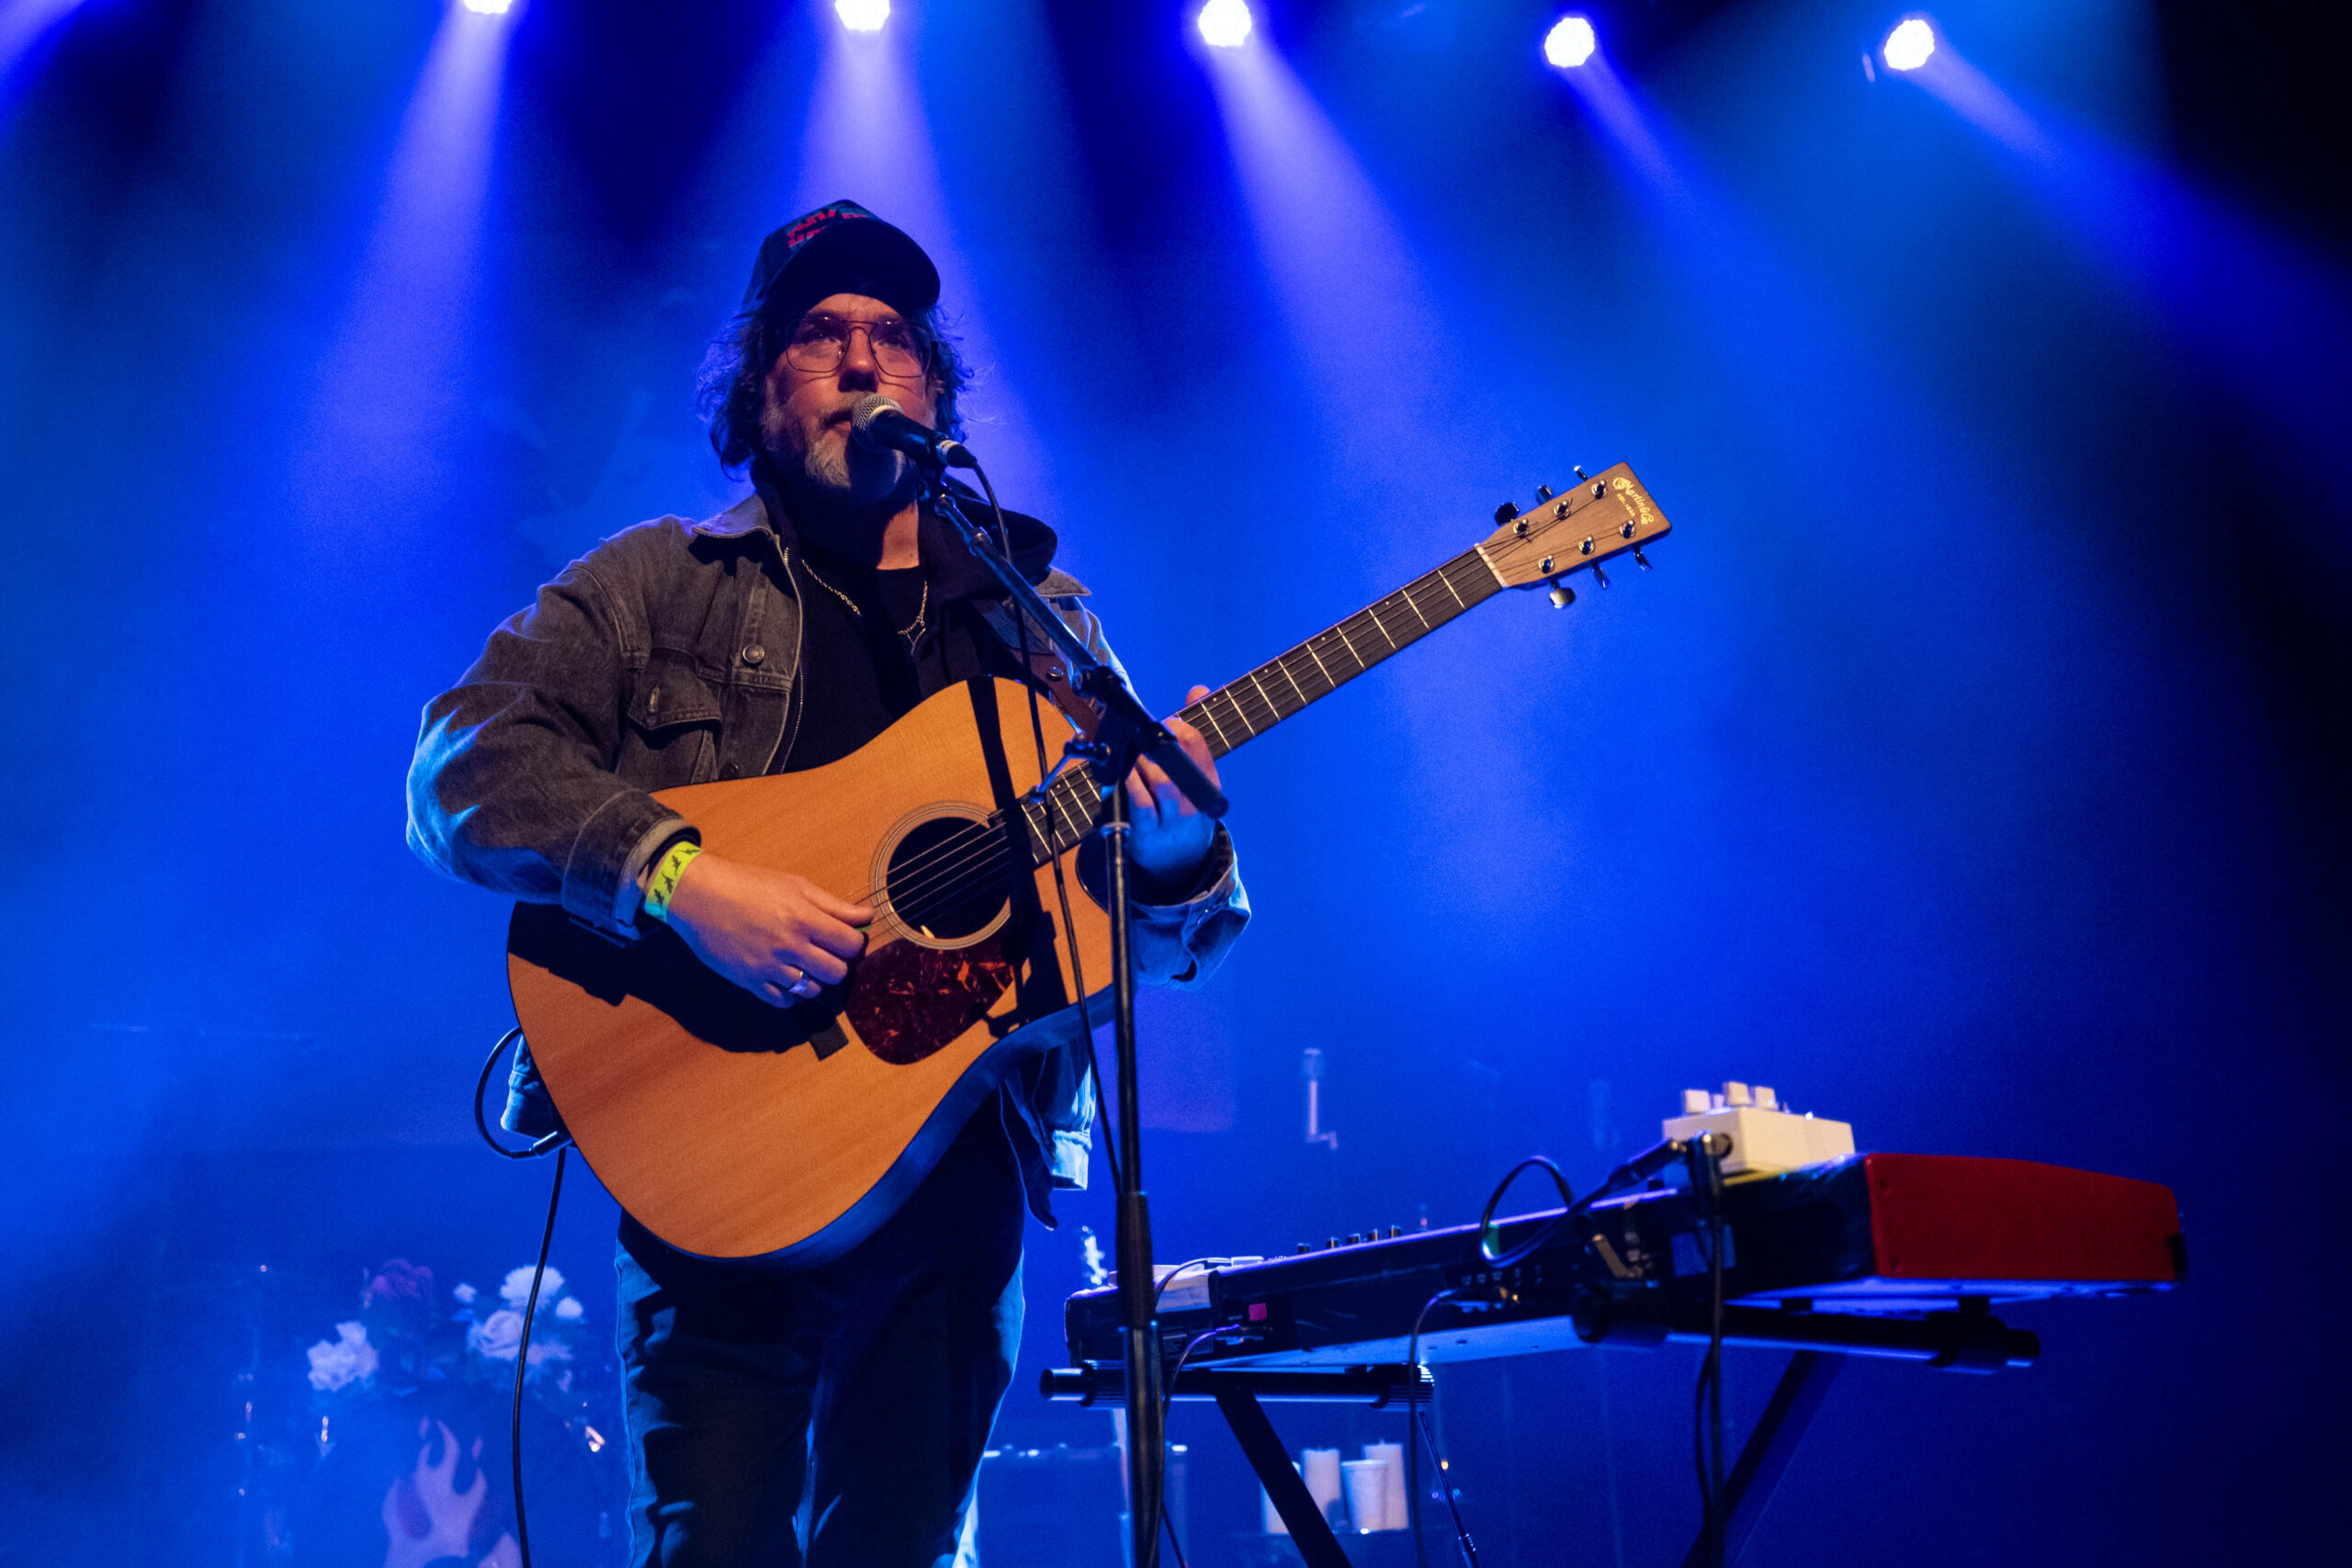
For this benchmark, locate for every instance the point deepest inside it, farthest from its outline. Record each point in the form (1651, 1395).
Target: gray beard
(853, 477)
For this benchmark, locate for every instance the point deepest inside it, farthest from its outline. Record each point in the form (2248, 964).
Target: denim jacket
(668, 656)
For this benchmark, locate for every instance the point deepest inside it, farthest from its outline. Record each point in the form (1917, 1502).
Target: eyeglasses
(819, 342)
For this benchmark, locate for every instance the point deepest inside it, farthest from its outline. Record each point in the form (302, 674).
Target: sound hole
(947, 878)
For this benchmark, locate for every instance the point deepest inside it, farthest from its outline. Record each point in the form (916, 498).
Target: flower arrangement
(399, 1341)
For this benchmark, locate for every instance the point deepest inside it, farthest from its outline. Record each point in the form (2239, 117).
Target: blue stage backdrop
(1968, 768)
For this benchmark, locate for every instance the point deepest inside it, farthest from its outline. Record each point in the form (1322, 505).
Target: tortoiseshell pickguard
(908, 1002)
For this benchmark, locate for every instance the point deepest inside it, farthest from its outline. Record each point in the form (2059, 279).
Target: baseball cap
(841, 248)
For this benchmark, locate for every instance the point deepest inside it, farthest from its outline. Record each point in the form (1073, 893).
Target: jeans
(829, 1416)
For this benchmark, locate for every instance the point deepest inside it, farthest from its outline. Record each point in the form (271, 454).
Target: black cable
(1159, 1288)
(1412, 1408)
(1167, 1398)
(559, 1143)
(523, 1354)
(1085, 1014)
(1167, 1389)
(1707, 1413)
(547, 1144)
(1061, 884)
(1462, 1540)
(1488, 1235)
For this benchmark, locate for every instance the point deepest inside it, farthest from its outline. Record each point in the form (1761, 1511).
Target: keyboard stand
(1236, 1391)
(1970, 1339)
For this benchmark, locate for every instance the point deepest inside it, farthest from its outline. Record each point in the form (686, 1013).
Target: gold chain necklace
(911, 632)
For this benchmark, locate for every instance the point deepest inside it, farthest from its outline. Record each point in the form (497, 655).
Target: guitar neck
(1242, 710)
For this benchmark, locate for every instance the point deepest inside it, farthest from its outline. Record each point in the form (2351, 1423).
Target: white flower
(465, 1294)
(344, 1360)
(497, 1337)
(517, 1289)
(570, 1310)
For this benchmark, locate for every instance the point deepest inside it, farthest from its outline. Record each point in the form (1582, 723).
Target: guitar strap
(1027, 939)
(1046, 670)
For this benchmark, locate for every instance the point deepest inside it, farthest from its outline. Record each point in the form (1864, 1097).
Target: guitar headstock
(1608, 514)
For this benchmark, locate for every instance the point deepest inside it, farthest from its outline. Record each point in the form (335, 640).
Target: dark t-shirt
(865, 669)
(876, 643)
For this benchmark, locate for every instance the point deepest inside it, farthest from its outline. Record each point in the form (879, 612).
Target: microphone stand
(1127, 732)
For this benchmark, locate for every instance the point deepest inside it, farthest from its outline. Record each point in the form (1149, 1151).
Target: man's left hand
(1171, 838)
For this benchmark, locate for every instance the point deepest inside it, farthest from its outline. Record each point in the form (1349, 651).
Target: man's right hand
(780, 937)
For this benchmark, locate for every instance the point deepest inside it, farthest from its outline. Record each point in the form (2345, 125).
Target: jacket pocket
(672, 736)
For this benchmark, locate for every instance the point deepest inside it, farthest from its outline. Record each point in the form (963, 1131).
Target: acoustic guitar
(732, 1129)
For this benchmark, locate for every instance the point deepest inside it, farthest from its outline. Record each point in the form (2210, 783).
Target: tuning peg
(1600, 576)
(1542, 492)
(1640, 560)
(1504, 514)
(1563, 596)
(1578, 468)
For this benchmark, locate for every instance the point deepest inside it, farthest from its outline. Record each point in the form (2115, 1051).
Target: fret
(1309, 646)
(1059, 794)
(1070, 807)
(1210, 719)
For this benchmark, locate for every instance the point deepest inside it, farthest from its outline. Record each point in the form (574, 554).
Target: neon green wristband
(664, 885)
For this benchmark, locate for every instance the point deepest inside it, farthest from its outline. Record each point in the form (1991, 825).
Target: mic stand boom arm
(1129, 730)
(1126, 731)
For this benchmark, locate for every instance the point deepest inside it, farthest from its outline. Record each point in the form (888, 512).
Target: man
(835, 1415)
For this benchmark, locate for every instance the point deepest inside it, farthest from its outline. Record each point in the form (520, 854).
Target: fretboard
(1244, 709)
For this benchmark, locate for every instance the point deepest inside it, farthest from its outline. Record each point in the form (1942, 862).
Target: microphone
(879, 424)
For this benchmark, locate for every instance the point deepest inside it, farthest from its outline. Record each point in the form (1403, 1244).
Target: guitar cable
(1416, 1420)
(1062, 884)
(559, 1143)
(1707, 1416)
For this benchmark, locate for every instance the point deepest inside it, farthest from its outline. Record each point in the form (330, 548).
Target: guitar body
(733, 1129)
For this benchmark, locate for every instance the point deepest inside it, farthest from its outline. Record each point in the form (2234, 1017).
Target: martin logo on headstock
(1601, 517)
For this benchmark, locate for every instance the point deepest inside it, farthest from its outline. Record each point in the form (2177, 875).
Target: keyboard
(1876, 1253)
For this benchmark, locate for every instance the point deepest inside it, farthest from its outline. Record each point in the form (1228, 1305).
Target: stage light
(1225, 24)
(1909, 46)
(1570, 42)
(488, 8)
(863, 16)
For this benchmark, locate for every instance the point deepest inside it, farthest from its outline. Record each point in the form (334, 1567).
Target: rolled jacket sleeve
(511, 787)
(1182, 944)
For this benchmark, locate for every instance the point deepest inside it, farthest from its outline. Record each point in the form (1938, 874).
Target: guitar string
(922, 878)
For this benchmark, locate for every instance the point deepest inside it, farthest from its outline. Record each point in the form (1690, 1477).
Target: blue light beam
(389, 385)
(2272, 323)
(23, 25)
(867, 138)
